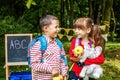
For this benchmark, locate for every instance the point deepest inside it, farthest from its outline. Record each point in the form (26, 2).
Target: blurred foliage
(15, 18)
(10, 25)
(19, 15)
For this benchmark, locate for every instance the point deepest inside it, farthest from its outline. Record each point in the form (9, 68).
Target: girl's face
(82, 33)
(52, 29)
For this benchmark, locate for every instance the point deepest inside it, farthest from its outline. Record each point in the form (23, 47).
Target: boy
(53, 65)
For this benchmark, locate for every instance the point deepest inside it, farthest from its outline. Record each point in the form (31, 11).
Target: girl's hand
(75, 59)
(76, 54)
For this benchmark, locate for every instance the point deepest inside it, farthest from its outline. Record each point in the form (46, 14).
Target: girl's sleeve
(36, 57)
(64, 67)
(71, 48)
(97, 60)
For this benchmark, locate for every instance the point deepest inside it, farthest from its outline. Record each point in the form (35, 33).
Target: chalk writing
(16, 44)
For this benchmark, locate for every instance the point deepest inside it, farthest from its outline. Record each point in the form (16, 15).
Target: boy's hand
(55, 72)
(64, 78)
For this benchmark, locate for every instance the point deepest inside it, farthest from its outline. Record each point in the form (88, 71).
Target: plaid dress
(43, 71)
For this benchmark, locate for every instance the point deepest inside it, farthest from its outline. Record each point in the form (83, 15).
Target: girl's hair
(46, 20)
(85, 23)
(95, 35)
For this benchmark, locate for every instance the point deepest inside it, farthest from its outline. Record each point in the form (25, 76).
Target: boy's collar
(49, 40)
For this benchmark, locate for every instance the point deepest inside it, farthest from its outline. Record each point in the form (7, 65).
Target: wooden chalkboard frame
(7, 64)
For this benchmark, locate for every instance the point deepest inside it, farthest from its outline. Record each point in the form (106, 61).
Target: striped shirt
(51, 57)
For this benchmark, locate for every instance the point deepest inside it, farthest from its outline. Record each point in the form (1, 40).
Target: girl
(88, 36)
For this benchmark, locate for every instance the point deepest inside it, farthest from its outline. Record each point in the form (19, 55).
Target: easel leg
(7, 72)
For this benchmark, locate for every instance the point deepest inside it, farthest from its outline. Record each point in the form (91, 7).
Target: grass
(111, 65)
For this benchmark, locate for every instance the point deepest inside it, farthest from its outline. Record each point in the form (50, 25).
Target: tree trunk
(100, 12)
(71, 16)
(70, 12)
(90, 9)
(114, 25)
(62, 13)
(106, 15)
(107, 10)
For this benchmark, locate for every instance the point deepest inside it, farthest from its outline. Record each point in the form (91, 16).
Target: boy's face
(52, 29)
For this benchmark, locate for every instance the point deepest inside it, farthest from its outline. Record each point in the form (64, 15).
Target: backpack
(78, 41)
(43, 47)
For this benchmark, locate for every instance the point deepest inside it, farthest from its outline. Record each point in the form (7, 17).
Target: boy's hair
(95, 34)
(46, 20)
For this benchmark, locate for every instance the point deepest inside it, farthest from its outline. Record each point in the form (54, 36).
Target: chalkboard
(17, 46)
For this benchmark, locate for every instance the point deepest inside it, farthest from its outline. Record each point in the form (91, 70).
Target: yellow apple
(78, 50)
(58, 78)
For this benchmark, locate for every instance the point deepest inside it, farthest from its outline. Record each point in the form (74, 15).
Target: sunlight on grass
(115, 63)
(111, 65)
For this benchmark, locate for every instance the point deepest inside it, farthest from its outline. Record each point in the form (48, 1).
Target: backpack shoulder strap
(43, 42)
(91, 44)
(43, 47)
(32, 43)
(29, 49)
(77, 41)
(59, 43)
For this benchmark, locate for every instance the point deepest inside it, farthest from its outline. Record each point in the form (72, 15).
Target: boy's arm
(64, 67)
(36, 57)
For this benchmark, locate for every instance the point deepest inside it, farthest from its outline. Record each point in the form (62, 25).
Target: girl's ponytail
(95, 35)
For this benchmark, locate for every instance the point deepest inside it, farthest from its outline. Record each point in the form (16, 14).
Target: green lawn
(111, 65)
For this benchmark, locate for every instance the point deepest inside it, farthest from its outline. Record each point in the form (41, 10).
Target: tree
(100, 11)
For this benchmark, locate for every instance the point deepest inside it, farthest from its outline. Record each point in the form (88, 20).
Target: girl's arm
(91, 53)
(97, 60)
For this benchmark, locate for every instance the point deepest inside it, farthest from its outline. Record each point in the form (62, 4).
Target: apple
(58, 77)
(78, 50)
